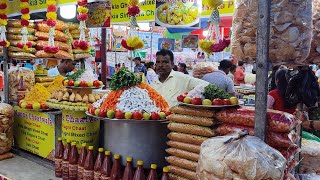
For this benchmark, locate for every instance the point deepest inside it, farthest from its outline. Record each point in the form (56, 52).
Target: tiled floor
(19, 168)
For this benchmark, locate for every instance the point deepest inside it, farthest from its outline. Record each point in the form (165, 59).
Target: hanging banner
(34, 132)
(79, 128)
(166, 43)
(35, 6)
(178, 13)
(120, 8)
(190, 41)
(225, 9)
(99, 14)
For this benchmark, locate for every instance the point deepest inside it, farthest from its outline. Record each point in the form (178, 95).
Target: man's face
(164, 65)
(137, 62)
(70, 65)
(227, 71)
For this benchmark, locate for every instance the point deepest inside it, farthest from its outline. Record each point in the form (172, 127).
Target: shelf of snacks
(208, 96)
(76, 93)
(36, 98)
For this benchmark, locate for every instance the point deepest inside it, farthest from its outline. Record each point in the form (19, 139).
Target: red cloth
(239, 76)
(279, 102)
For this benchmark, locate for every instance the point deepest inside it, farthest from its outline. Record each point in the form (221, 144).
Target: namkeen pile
(38, 93)
(14, 36)
(189, 128)
(290, 33)
(131, 99)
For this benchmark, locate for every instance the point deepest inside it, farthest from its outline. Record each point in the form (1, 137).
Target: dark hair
(282, 83)
(202, 53)
(175, 68)
(184, 67)
(149, 65)
(137, 59)
(164, 52)
(14, 62)
(240, 63)
(225, 64)
(233, 68)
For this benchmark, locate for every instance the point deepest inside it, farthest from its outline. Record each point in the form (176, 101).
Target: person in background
(123, 65)
(116, 68)
(276, 97)
(64, 68)
(220, 78)
(318, 72)
(139, 68)
(175, 68)
(198, 55)
(182, 67)
(202, 56)
(272, 76)
(239, 74)
(232, 71)
(171, 84)
(30, 64)
(14, 63)
(151, 75)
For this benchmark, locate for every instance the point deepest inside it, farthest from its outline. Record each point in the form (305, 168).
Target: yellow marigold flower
(82, 9)
(8, 44)
(51, 15)
(24, 5)
(133, 2)
(51, 2)
(3, 22)
(25, 16)
(25, 47)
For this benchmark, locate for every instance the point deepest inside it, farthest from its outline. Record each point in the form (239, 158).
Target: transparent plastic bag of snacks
(314, 56)
(290, 30)
(241, 158)
(203, 68)
(6, 127)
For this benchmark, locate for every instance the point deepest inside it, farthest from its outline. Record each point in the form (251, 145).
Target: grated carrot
(155, 96)
(111, 101)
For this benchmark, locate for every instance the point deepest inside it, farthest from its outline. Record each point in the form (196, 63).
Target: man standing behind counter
(172, 83)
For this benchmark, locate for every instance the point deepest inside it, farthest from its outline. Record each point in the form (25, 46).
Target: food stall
(132, 114)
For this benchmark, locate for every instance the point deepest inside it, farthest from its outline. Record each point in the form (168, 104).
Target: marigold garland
(3, 23)
(51, 22)
(25, 17)
(82, 17)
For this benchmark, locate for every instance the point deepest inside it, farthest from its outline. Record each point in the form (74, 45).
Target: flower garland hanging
(25, 17)
(210, 45)
(82, 17)
(133, 43)
(51, 22)
(3, 23)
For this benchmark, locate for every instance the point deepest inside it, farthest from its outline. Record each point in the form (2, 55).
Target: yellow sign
(34, 132)
(35, 5)
(77, 127)
(120, 7)
(225, 9)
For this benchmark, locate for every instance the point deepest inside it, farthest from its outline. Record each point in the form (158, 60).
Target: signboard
(190, 41)
(99, 14)
(35, 5)
(120, 8)
(166, 43)
(34, 132)
(140, 54)
(178, 13)
(225, 9)
(77, 127)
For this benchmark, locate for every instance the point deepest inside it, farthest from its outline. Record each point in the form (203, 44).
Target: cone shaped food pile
(130, 99)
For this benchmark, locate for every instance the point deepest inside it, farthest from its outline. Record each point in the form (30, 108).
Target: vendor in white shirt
(64, 68)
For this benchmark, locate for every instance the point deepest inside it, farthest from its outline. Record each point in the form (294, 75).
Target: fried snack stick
(176, 177)
(183, 163)
(191, 129)
(186, 138)
(192, 111)
(182, 172)
(196, 120)
(184, 146)
(183, 154)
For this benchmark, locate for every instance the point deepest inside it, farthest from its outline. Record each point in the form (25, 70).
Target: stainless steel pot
(141, 140)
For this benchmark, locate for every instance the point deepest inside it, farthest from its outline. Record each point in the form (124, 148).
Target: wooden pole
(103, 57)
(263, 34)
(5, 75)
